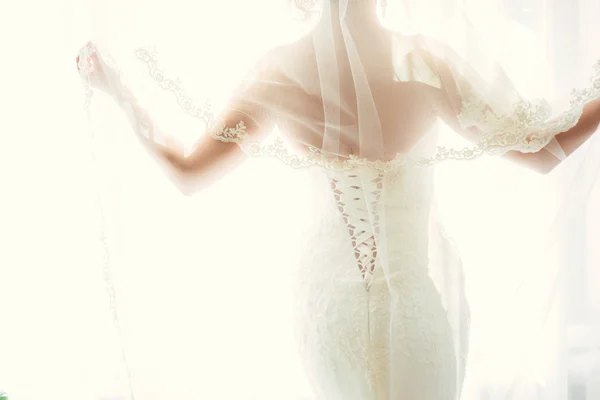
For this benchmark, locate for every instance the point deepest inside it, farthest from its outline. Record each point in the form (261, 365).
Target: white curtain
(191, 276)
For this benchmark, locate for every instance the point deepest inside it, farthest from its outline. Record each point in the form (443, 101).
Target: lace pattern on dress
(526, 128)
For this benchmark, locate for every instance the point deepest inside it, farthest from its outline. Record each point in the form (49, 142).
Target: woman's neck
(361, 13)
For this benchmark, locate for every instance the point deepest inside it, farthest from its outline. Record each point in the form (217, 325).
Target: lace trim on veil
(527, 128)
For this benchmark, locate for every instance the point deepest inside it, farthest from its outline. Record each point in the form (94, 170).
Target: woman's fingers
(90, 63)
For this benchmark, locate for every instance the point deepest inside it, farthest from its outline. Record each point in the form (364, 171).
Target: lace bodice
(364, 197)
(357, 201)
(363, 286)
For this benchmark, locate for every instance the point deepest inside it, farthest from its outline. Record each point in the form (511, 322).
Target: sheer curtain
(193, 277)
(560, 36)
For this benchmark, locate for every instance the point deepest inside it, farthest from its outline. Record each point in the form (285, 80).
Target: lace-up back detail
(360, 216)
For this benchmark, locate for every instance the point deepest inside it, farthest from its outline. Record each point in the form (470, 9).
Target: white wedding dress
(378, 302)
(154, 296)
(353, 324)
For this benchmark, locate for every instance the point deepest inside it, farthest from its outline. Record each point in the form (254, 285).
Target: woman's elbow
(545, 169)
(183, 175)
(186, 190)
(542, 162)
(182, 179)
(187, 183)
(547, 161)
(545, 164)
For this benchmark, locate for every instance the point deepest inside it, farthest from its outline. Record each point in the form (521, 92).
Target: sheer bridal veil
(187, 297)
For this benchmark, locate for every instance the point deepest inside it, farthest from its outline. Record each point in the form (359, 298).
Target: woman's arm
(210, 158)
(544, 161)
(449, 104)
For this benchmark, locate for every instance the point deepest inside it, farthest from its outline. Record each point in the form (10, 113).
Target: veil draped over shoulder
(483, 110)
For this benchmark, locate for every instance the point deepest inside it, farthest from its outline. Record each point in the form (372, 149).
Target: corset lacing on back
(360, 217)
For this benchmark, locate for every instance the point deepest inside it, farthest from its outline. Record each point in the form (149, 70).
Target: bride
(359, 103)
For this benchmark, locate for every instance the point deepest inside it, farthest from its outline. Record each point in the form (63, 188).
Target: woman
(361, 102)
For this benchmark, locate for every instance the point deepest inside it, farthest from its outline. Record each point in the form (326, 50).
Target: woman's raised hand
(93, 68)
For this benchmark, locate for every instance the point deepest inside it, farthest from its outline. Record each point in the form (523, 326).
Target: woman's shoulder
(422, 42)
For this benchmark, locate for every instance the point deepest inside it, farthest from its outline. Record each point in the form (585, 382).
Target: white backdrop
(57, 339)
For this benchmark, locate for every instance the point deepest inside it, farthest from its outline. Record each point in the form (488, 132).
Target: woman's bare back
(403, 109)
